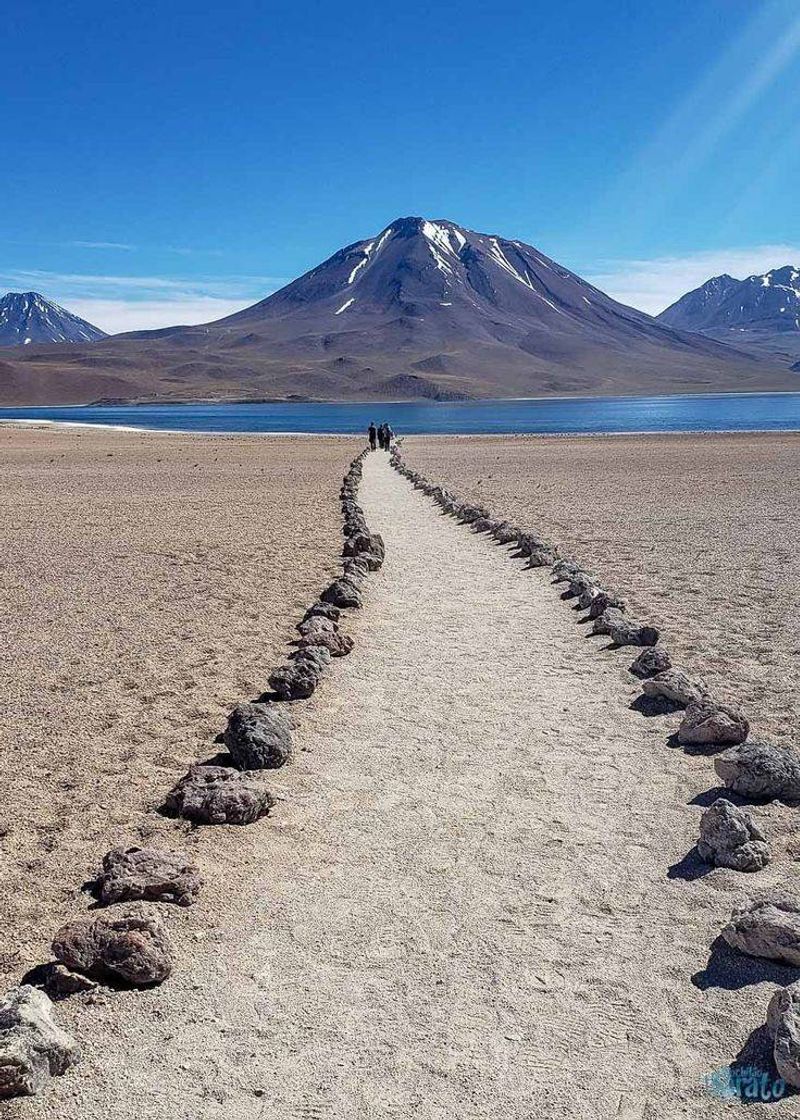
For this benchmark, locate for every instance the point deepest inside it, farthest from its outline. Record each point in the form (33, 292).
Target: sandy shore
(147, 583)
(699, 533)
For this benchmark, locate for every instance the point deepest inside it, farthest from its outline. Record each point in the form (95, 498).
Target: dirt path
(462, 910)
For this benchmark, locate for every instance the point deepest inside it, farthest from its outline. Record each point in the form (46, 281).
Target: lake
(707, 412)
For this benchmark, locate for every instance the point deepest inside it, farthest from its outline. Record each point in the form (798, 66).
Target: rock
(766, 929)
(676, 685)
(317, 656)
(541, 557)
(337, 645)
(624, 631)
(219, 795)
(33, 1047)
(150, 874)
(132, 944)
(728, 838)
(483, 525)
(528, 543)
(602, 601)
(258, 736)
(505, 533)
(651, 661)
(467, 514)
(371, 543)
(578, 583)
(317, 624)
(322, 610)
(587, 597)
(760, 770)
(342, 593)
(59, 982)
(783, 1025)
(299, 679)
(709, 723)
(565, 570)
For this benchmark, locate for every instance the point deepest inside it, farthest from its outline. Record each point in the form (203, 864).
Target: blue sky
(169, 163)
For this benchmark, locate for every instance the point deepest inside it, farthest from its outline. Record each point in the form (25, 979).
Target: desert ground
(148, 582)
(472, 899)
(698, 532)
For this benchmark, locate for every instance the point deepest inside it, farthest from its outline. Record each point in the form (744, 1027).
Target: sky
(164, 163)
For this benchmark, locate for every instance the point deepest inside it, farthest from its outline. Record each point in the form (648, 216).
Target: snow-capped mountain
(421, 309)
(27, 318)
(429, 308)
(770, 302)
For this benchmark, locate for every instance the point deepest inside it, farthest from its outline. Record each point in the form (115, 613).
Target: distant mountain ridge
(770, 301)
(27, 318)
(761, 313)
(423, 309)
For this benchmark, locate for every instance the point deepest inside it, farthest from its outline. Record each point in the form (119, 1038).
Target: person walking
(382, 437)
(372, 432)
(388, 436)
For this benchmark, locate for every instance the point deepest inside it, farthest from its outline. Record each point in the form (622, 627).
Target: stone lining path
(462, 910)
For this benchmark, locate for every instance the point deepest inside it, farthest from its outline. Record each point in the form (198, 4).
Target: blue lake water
(707, 412)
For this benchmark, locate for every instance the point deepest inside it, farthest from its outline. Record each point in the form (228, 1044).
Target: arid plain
(698, 532)
(149, 582)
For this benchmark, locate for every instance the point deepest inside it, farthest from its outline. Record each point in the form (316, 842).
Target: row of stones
(132, 945)
(754, 769)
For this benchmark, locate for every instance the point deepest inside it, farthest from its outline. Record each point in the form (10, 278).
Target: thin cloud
(128, 303)
(102, 245)
(116, 316)
(652, 285)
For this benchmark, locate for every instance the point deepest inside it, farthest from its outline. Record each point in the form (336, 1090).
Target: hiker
(388, 436)
(382, 437)
(372, 432)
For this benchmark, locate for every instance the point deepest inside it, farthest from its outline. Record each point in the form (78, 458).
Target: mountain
(27, 317)
(424, 309)
(768, 302)
(761, 313)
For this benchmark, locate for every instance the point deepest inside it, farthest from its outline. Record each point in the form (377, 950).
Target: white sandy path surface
(462, 909)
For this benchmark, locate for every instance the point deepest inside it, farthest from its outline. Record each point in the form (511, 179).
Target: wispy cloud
(101, 245)
(116, 316)
(118, 303)
(651, 285)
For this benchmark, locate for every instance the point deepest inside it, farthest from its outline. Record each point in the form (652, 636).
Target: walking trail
(462, 908)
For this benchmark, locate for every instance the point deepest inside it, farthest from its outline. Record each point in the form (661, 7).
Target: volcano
(424, 309)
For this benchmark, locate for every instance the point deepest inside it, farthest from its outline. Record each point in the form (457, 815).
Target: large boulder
(342, 593)
(150, 874)
(783, 1025)
(707, 723)
(674, 684)
(766, 929)
(131, 945)
(219, 795)
(258, 736)
(760, 770)
(729, 838)
(651, 662)
(33, 1047)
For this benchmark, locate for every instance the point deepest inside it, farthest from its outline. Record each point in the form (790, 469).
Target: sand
(470, 902)
(147, 583)
(698, 532)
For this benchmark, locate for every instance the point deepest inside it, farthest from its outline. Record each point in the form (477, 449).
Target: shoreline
(28, 423)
